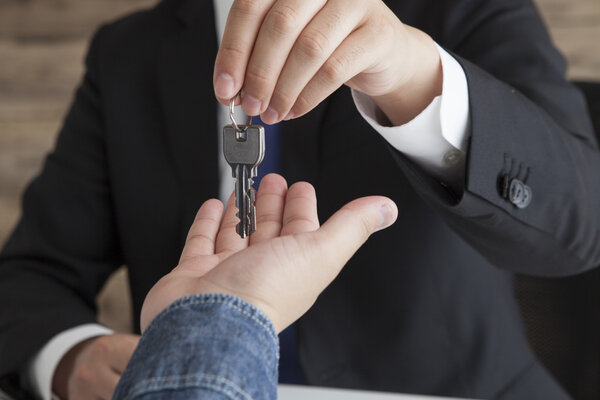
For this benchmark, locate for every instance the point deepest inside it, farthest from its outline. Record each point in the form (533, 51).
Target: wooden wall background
(42, 43)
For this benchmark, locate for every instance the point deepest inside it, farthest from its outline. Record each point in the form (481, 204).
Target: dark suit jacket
(426, 306)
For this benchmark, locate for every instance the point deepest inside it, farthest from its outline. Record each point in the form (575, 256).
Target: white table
(292, 392)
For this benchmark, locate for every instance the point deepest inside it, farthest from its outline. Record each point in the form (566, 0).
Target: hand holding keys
(244, 150)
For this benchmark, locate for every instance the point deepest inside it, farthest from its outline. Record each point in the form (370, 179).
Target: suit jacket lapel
(185, 69)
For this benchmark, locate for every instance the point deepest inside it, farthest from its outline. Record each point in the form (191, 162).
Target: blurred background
(42, 44)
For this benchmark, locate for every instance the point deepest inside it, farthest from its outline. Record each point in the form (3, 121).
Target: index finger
(300, 212)
(241, 30)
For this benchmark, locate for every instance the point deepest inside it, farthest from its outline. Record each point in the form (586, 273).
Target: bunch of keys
(244, 150)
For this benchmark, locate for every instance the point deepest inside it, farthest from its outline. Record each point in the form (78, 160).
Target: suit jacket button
(519, 194)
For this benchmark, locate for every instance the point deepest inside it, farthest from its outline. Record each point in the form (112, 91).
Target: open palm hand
(284, 265)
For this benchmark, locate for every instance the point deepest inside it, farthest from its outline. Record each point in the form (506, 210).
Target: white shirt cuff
(436, 139)
(41, 368)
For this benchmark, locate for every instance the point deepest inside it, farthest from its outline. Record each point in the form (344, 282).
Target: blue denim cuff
(209, 345)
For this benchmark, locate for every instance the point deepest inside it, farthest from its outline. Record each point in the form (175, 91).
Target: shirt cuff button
(452, 157)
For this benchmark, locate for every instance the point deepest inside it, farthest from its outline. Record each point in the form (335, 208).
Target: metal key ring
(231, 112)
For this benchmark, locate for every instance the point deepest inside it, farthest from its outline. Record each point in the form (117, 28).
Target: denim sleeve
(209, 346)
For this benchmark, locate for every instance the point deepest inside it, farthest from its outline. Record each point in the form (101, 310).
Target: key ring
(231, 112)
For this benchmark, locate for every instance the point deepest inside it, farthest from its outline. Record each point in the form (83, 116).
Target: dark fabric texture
(561, 315)
(426, 306)
(591, 91)
(563, 326)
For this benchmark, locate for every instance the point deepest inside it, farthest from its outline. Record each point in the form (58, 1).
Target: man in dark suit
(514, 189)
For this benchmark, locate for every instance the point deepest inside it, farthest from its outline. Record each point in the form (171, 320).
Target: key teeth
(252, 212)
(247, 226)
(240, 231)
(245, 230)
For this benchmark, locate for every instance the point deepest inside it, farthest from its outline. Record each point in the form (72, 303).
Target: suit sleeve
(528, 124)
(65, 245)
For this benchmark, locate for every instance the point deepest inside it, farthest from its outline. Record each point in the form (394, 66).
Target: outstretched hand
(284, 265)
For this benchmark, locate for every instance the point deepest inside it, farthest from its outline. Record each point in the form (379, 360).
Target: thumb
(349, 228)
(289, 273)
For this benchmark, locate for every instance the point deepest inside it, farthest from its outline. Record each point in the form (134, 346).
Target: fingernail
(388, 213)
(251, 105)
(289, 116)
(224, 86)
(270, 116)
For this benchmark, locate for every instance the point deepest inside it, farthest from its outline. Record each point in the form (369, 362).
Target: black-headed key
(244, 150)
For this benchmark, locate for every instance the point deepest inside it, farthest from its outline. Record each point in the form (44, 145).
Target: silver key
(244, 150)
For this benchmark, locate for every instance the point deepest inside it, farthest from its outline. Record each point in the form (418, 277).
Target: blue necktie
(271, 163)
(289, 362)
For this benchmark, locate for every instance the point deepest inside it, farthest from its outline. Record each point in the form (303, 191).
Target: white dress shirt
(436, 140)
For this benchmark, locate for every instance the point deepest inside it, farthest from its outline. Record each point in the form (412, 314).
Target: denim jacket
(208, 346)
